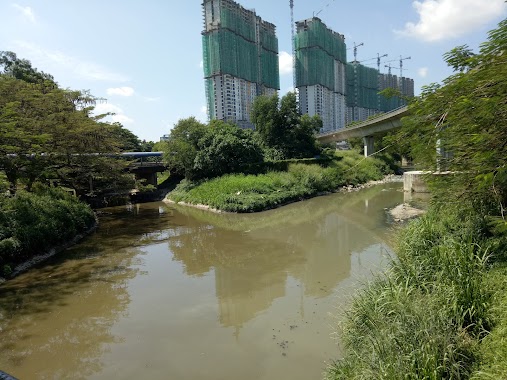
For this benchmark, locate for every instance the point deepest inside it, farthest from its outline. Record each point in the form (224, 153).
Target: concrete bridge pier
(369, 147)
(149, 176)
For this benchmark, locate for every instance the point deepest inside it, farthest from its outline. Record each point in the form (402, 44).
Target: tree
(127, 141)
(48, 133)
(22, 69)
(282, 129)
(182, 147)
(225, 148)
(467, 116)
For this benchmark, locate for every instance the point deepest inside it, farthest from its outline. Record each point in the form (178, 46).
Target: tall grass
(31, 223)
(248, 193)
(425, 318)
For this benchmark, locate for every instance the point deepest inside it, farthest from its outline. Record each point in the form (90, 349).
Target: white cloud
(204, 109)
(446, 19)
(86, 70)
(285, 63)
(118, 116)
(201, 64)
(122, 91)
(423, 72)
(122, 119)
(27, 12)
(102, 108)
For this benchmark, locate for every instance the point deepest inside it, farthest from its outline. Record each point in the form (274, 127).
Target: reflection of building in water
(242, 293)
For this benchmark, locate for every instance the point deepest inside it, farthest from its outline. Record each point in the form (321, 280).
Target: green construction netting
(244, 27)
(269, 41)
(319, 35)
(227, 53)
(269, 64)
(210, 97)
(314, 66)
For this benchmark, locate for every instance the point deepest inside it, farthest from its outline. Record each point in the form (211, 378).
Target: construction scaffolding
(317, 48)
(237, 42)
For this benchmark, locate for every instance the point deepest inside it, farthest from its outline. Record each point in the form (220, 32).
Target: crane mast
(291, 4)
(401, 65)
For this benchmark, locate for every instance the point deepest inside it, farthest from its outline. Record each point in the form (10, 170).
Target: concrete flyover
(367, 129)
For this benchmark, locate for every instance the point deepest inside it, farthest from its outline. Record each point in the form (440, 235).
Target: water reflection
(187, 282)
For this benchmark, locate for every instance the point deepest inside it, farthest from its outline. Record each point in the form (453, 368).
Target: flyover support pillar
(369, 147)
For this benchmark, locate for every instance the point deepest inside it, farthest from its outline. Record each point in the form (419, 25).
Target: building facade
(320, 72)
(240, 60)
(363, 87)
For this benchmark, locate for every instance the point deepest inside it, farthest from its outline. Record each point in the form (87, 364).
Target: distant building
(363, 87)
(165, 138)
(240, 60)
(320, 72)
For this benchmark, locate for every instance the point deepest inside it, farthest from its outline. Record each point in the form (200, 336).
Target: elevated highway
(367, 129)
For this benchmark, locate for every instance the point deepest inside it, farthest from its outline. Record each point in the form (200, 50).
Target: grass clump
(249, 193)
(426, 317)
(32, 223)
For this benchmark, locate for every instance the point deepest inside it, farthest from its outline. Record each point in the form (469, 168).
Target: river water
(168, 292)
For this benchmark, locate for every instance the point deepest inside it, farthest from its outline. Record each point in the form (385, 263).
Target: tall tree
(225, 148)
(48, 133)
(182, 147)
(467, 116)
(22, 69)
(282, 129)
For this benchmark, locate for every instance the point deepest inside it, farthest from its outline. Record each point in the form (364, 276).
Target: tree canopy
(466, 117)
(282, 129)
(48, 133)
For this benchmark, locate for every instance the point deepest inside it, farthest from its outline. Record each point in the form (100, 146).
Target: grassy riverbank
(33, 223)
(439, 311)
(249, 193)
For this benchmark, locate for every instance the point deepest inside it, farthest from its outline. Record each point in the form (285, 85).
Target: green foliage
(425, 318)
(283, 131)
(250, 193)
(225, 148)
(126, 140)
(49, 133)
(22, 69)
(31, 223)
(466, 119)
(182, 147)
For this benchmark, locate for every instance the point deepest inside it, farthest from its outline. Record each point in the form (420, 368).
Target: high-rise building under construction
(240, 60)
(364, 85)
(320, 72)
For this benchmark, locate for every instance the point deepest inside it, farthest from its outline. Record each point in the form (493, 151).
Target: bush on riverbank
(32, 223)
(248, 193)
(426, 318)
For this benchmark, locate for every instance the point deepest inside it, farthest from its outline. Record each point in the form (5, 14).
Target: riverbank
(347, 171)
(36, 226)
(437, 312)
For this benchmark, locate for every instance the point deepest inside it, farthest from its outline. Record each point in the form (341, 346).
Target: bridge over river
(367, 129)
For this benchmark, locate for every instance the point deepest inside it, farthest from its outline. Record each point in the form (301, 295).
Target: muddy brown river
(168, 292)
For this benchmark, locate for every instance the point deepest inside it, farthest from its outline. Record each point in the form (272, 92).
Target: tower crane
(389, 67)
(355, 50)
(378, 60)
(291, 4)
(401, 65)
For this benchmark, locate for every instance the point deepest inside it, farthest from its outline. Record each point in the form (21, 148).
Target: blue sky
(145, 57)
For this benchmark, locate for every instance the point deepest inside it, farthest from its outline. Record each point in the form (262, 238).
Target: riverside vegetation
(32, 223)
(439, 311)
(257, 192)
